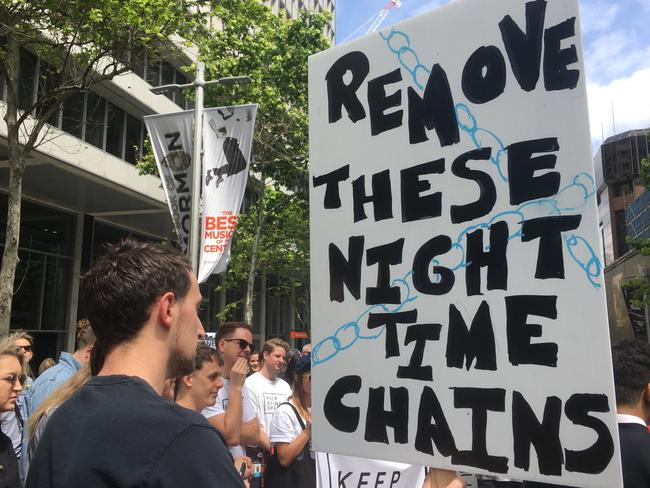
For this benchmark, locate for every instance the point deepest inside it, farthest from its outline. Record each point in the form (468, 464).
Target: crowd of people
(143, 401)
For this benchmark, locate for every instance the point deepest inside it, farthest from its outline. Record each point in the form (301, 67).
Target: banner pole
(195, 237)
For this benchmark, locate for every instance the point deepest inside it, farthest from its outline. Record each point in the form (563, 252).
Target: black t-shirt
(118, 432)
(635, 455)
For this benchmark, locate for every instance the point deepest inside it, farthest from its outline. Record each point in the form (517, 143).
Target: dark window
(133, 139)
(2, 78)
(73, 110)
(179, 99)
(28, 63)
(167, 78)
(49, 79)
(95, 108)
(621, 234)
(153, 73)
(114, 130)
(138, 62)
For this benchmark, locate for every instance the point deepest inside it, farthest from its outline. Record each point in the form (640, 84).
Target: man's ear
(187, 380)
(165, 308)
(221, 345)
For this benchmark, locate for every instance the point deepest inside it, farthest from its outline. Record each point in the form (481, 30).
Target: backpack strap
(295, 410)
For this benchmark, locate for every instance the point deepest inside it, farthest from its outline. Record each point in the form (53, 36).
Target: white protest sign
(458, 305)
(337, 471)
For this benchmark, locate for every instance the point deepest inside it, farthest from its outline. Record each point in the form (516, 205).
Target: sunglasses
(308, 376)
(25, 348)
(243, 344)
(15, 377)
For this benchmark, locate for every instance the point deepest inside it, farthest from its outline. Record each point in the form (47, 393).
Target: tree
(273, 232)
(80, 43)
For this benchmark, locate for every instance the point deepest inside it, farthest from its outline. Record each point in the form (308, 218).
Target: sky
(616, 46)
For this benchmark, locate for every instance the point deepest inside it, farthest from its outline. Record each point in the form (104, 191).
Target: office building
(81, 190)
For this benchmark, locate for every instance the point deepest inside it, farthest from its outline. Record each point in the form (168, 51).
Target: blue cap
(303, 365)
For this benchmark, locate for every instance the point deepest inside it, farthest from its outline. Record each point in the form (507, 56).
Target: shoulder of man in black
(125, 434)
(635, 454)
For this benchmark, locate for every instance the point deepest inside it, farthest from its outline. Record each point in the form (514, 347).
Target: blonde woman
(42, 414)
(11, 384)
(293, 465)
(12, 421)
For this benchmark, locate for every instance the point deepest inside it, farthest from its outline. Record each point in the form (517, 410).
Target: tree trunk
(16, 169)
(252, 271)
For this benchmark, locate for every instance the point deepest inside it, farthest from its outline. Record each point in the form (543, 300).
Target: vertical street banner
(172, 141)
(227, 141)
(457, 292)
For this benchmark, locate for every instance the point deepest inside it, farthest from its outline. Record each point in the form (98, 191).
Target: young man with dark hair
(267, 392)
(631, 362)
(142, 301)
(233, 413)
(198, 389)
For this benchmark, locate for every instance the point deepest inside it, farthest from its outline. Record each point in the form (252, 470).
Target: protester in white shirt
(293, 465)
(267, 391)
(233, 413)
(266, 388)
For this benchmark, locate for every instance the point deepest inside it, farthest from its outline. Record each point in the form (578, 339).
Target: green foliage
(639, 291)
(85, 42)
(283, 250)
(273, 51)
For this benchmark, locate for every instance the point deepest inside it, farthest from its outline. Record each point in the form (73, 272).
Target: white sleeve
(249, 410)
(284, 426)
(216, 409)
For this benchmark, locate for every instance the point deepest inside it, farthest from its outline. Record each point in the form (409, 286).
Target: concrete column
(73, 302)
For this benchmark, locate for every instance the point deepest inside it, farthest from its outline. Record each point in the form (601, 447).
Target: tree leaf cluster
(273, 232)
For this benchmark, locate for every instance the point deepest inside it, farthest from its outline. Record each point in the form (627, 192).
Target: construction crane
(382, 15)
(375, 21)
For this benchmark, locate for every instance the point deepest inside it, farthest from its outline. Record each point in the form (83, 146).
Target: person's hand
(238, 373)
(308, 427)
(442, 478)
(248, 469)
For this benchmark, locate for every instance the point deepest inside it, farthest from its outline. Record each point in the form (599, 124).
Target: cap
(303, 365)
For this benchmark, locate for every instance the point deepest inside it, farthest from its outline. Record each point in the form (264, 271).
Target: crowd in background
(142, 401)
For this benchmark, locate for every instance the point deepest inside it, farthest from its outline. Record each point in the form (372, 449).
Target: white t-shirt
(284, 425)
(221, 404)
(266, 396)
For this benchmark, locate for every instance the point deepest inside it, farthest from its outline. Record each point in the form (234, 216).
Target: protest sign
(458, 308)
(337, 471)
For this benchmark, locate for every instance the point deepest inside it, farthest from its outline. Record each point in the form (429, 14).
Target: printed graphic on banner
(228, 136)
(458, 308)
(172, 141)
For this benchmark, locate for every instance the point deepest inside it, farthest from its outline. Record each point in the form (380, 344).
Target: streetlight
(199, 83)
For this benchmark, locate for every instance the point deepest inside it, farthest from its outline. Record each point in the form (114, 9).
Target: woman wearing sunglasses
(292, 463)
(11, 384)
